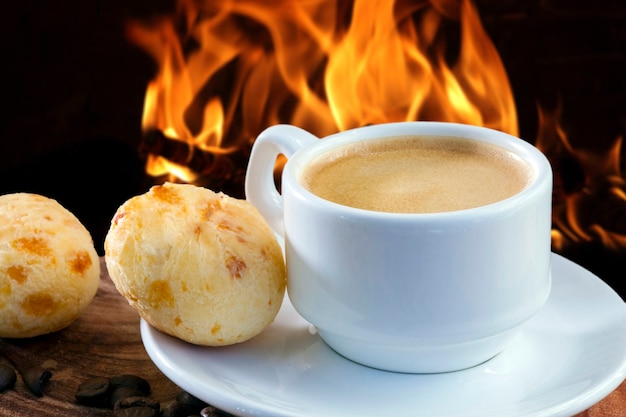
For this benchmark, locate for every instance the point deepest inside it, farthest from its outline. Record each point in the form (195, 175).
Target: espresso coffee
(416, 174)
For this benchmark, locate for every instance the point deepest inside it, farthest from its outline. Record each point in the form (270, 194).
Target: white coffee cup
(415, 293)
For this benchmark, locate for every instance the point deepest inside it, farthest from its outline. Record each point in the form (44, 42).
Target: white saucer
(566, 358)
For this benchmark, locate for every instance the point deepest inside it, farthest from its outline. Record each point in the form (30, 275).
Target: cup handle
(259, 184)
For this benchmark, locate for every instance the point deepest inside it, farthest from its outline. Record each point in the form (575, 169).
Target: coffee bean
(130, 381)
(136, 412)
(7, 377)
(130, 402)
(194, 403)
(170, 409)
(123, 392)
(93, 392)
(175, 409)
(36, 379)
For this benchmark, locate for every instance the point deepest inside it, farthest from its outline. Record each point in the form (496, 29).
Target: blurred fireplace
(75, 89)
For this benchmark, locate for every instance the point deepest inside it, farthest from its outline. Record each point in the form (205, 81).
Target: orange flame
(237, 67)
(595, 211)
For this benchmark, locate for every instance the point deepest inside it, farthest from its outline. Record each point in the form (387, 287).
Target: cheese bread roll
(198, 265)
(49, 268)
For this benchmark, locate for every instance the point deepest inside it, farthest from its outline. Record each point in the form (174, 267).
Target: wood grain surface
(105, 341)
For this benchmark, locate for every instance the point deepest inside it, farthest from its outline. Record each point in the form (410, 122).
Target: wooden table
(105, 341)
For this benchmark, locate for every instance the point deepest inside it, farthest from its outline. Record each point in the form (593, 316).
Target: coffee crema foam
(416, 174)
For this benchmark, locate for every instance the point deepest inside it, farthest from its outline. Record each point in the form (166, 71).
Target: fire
(229, 69)
(595, 209)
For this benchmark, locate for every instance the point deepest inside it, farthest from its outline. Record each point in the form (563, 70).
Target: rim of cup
(533, 157)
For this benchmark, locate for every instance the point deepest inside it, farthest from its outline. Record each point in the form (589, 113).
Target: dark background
(72, 95)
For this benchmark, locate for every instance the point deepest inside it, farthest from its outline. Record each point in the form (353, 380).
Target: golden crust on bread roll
(49, 268)
(198, 265)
